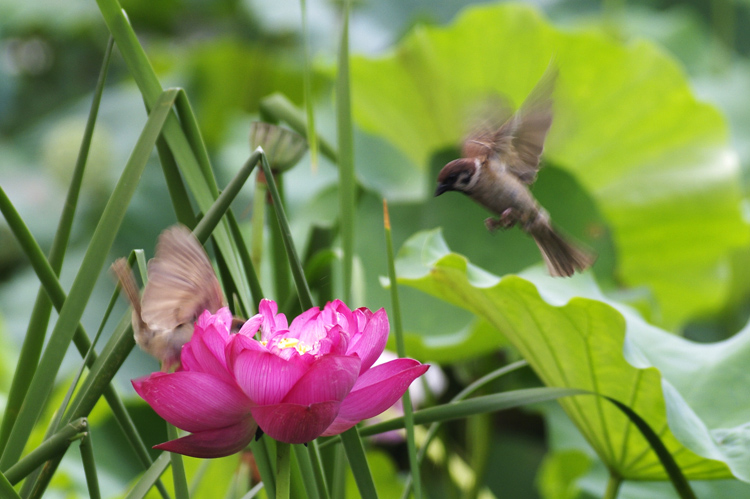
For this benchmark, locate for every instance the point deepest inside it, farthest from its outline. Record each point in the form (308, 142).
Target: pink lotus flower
(300, 381)
(202, 396)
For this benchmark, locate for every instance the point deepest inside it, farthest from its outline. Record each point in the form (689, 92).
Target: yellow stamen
(288, 342)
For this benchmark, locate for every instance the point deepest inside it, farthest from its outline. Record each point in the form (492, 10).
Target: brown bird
(181, 285)
(496, 169)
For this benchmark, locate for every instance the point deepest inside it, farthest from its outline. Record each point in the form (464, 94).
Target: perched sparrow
(181, 285)
(499, 165)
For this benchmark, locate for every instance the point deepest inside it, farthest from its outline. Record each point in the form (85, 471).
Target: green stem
(251, 274)
(303, 290)
(306, 469)
(339, 472)
(355, 454)
(401, 350)
(40, 478)
(613, 486)
(299, 487)
(477, 405)
(175, 186)
(83, 285)
(258, 221)
(283, 460)
(181, 134)
(347, 185)
(89, 466)
(212, 217)
(34, 338)
(56, 445)
(262, 455)
(179, 479)
(54, 291)
(313, 450)
(281, 278)
(150, 477)
(6, 489)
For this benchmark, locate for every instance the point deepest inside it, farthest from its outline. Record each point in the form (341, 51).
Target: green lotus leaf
(627, 127)
(574, 338)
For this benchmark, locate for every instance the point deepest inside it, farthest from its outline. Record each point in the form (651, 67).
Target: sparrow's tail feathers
(562, 257)
(124, 274)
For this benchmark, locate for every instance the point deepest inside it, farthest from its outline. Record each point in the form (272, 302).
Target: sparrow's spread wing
(483, 120)
(519, 142)
(181, 281)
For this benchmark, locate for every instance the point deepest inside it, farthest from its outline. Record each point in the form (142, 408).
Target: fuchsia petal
(302, 321)
(221, 319)
(379, 388)
(206, 353)
(271, 320)
(309, 327)
(215, 340)
(251, 326)
(371, 343)
(228, 380)
(225, 315)
(204, 319)
(264, 377)
(193, 401)
(384, 371)
(295, 423)
(335, 342)
(345, 317)
(339, 425)
(238, 343)
(214, 443)
(362, 315)
(329, 378)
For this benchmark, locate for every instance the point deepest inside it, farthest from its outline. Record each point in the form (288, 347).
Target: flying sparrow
(181, 285)
(496, 169)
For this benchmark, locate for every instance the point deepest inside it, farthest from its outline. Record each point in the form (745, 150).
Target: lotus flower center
(293, 343)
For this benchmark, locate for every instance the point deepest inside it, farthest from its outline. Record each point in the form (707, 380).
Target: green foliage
(635, 165)
(559, 473)
(573, 338)
(384, 474)
(627, 127)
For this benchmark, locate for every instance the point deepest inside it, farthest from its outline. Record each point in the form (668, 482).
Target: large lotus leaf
(576, 342)
(627, 127)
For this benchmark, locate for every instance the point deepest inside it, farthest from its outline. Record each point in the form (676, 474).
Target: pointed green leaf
(83, 285)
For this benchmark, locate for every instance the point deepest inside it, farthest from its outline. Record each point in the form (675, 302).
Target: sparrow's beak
(441, 188)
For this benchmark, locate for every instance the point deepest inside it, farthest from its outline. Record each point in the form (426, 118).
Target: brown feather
(484, 120)
(125, 275)
(518, 144)
(181, 281)
(562, 255)
(127, 282)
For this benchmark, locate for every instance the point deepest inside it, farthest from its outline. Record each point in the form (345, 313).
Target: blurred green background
(228, 55)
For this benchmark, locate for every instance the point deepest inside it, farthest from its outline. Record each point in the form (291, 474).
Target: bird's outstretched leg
(506, 221)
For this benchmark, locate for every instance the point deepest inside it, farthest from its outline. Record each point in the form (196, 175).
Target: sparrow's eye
(452, 178)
